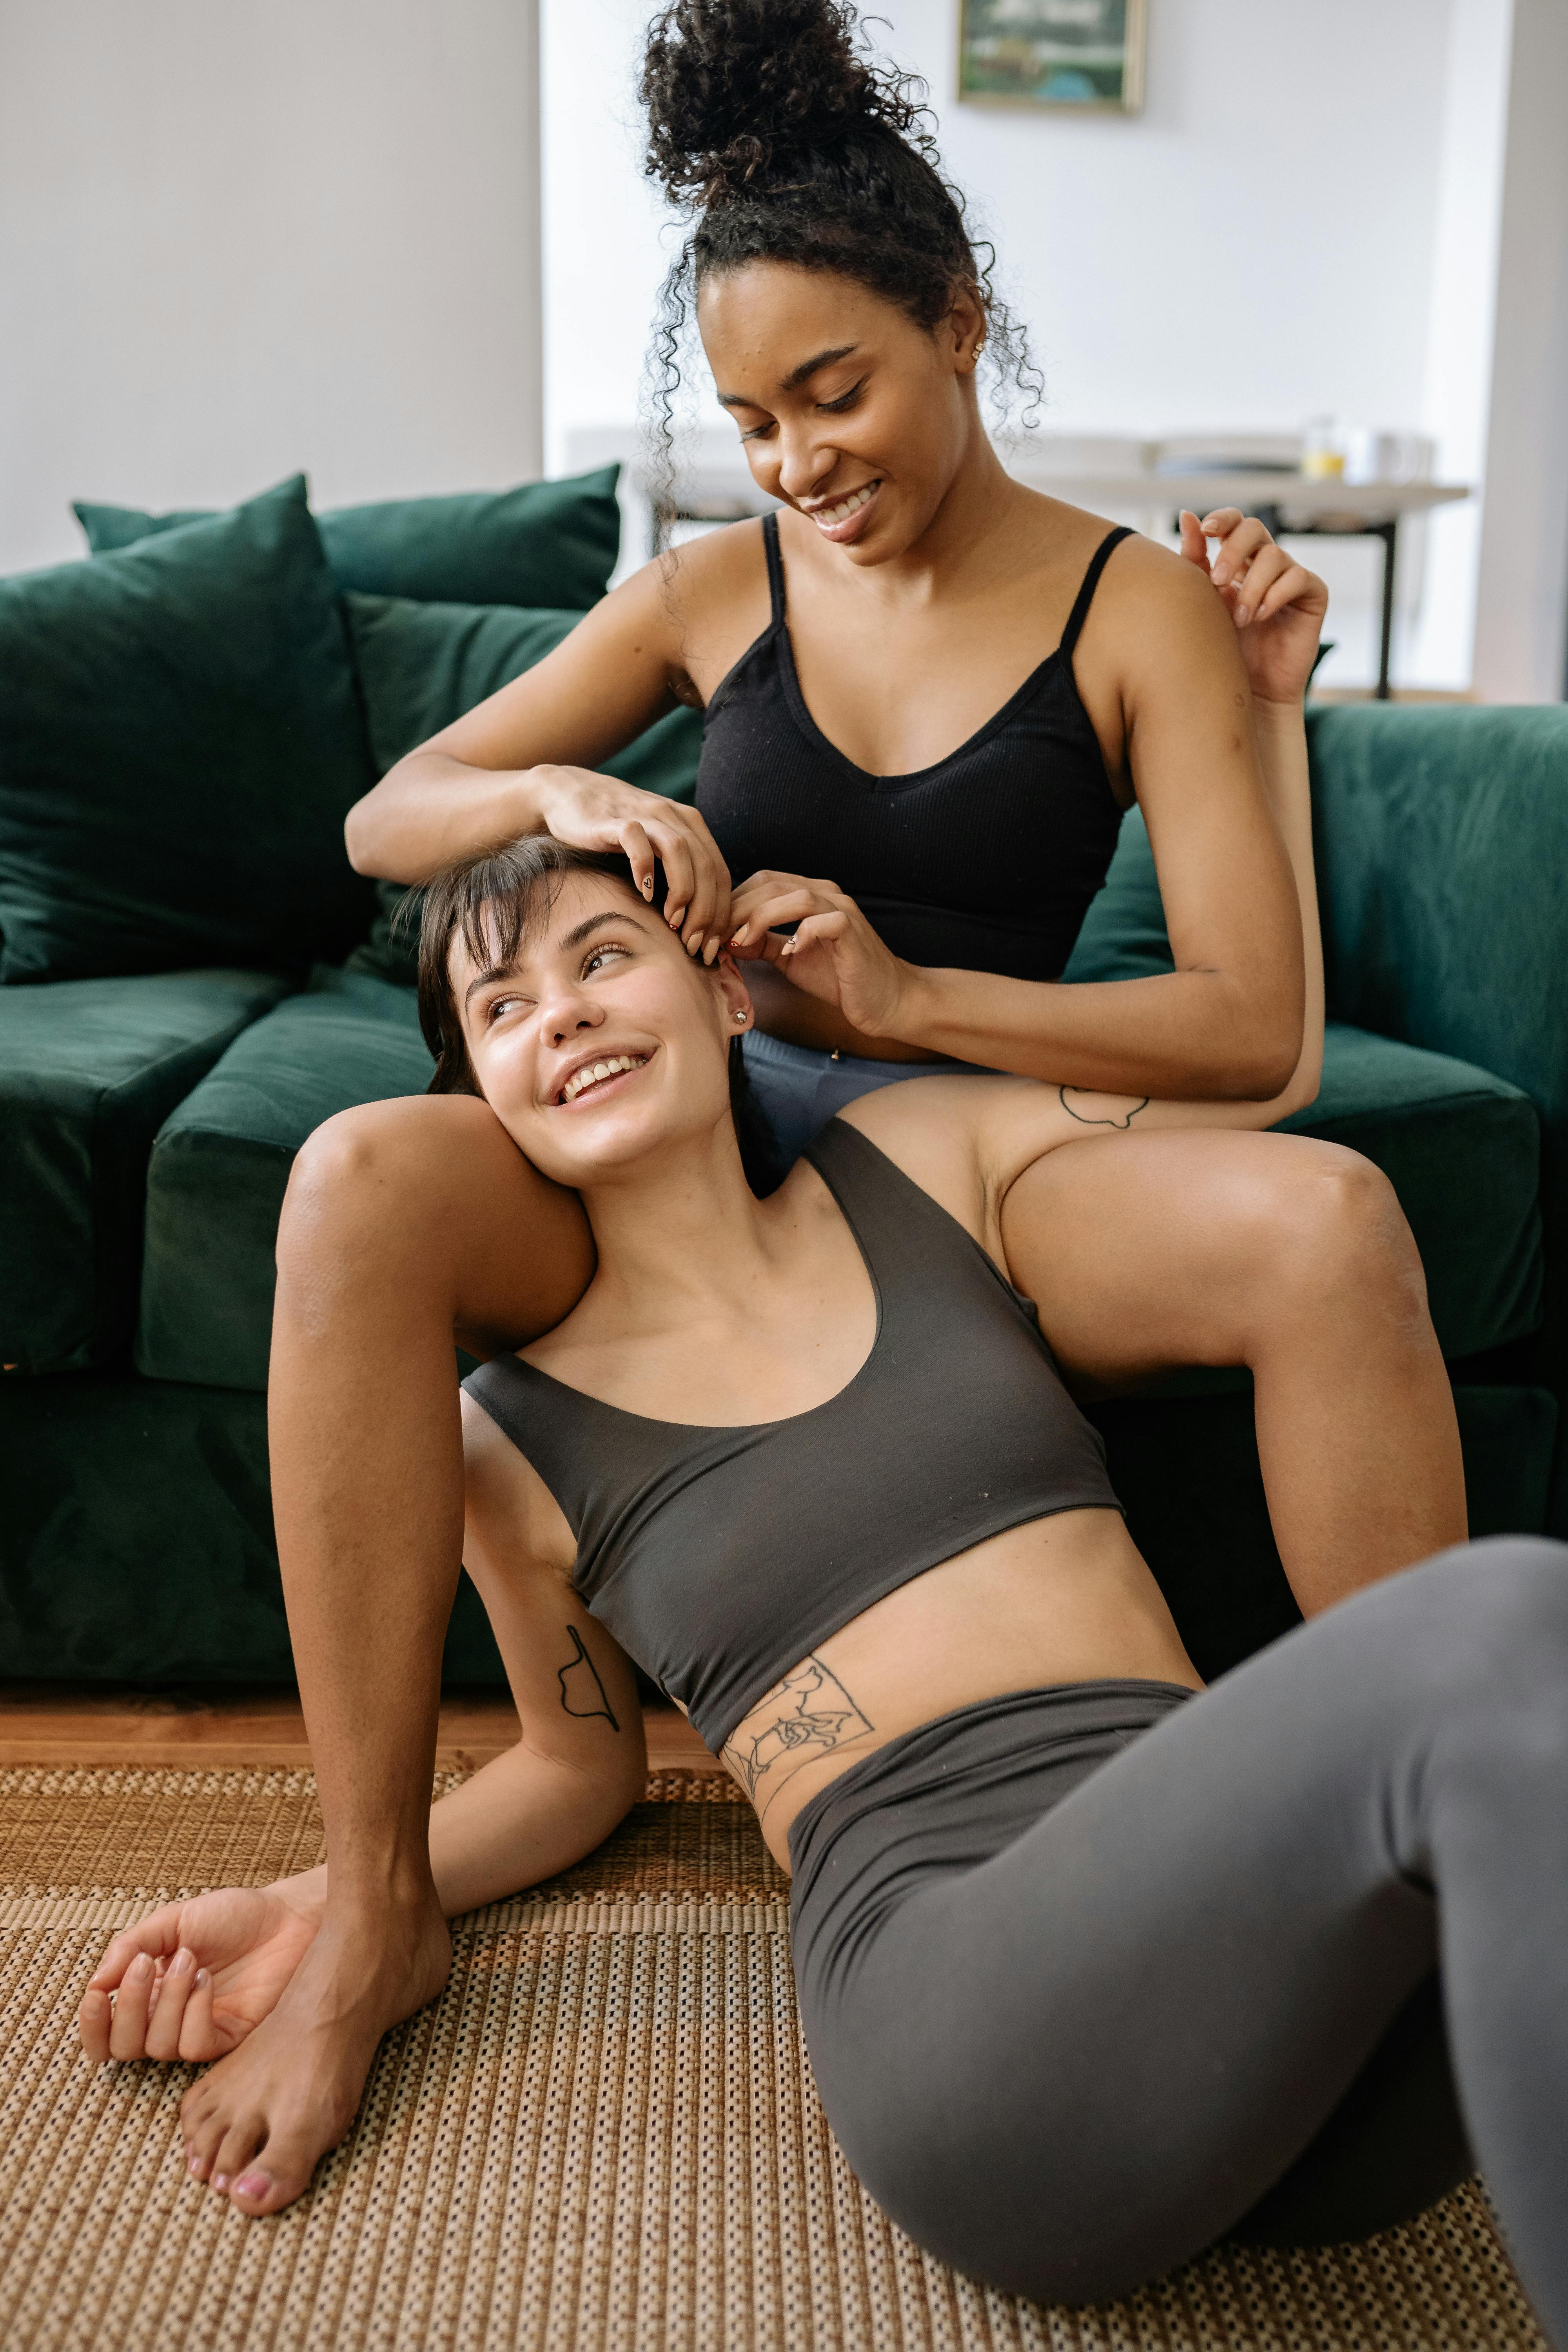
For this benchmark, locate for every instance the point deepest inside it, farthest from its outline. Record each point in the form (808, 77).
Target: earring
(739, 1016)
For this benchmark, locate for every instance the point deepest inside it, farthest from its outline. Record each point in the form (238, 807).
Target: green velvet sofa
(192, 980)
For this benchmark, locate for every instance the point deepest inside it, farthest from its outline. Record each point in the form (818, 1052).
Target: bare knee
(1340, 1249)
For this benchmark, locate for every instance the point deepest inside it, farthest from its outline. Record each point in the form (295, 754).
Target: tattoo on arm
(1087, 1118)
(804, 1716)
(582, 1692)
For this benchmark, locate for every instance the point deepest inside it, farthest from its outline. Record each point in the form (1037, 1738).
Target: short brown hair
(493, 901)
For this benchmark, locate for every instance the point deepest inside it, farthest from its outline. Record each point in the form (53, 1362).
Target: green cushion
(1460, 1146)
(220, 1166)
(136, 1540)
(88, 1071)
(422, 666)
(180, 742)
(543, 543)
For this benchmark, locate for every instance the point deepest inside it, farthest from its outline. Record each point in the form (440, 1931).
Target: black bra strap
(1080, 612)
(775, 563)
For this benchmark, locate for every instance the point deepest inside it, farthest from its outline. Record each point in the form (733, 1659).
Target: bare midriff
(1062, 1600)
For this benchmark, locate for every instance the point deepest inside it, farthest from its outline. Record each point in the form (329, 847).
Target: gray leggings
(1093, 1976)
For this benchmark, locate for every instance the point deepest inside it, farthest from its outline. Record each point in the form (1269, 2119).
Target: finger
(1220, 521)
(1254, 583)
(788, 901)
(679, 881)
(92, 2024)
(703, 904)
(1237, 548)
(158, 1934)
(128, 2032)
(818, 930)
(162, 2040)
(639, 849)
(201, 2036)
(1195, 546)
(1295, 586)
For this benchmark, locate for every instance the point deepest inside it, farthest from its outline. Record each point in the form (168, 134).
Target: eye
(500, 1004)
(755, 432)
(844, 399)
(605, 952)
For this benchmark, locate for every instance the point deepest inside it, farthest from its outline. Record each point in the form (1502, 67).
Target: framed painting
(1071, 56)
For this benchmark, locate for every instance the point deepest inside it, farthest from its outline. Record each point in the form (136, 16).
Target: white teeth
(826, 515)
(586, 1077)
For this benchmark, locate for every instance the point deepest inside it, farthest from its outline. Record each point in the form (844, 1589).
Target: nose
(566, 1011)
(805, 460)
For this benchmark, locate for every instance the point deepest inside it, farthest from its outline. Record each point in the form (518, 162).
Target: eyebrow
(796, 376)
(573, 939)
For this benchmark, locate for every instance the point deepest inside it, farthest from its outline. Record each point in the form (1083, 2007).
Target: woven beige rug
(604, 2136)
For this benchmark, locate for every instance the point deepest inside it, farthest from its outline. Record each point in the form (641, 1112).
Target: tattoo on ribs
(582, 1692)
(811, 1710)
(1088, 1119)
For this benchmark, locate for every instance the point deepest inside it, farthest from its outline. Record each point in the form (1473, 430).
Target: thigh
(1134, 2020)
(424, 1208)
(1147, 1251)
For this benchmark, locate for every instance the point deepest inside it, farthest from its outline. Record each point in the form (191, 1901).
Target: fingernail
(1221, 574)
(695, 941)
(184, 1961)
(202, 1979)
(1242, 616)
(647, 886)
(141, 1968)
(674, 917)
(252, 2184)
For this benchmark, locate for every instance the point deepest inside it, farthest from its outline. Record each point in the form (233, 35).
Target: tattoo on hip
(806, 1717)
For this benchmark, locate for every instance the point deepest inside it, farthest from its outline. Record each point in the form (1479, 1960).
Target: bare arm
(524, 760)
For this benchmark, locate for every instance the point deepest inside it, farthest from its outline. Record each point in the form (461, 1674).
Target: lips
(847, 518)
(591, 1078)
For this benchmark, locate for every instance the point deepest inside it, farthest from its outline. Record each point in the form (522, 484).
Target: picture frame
(1061, 56)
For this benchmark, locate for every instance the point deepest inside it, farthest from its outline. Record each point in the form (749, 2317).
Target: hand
(833, 954)
(191, 1980)
(588, 810)
(1276, 604)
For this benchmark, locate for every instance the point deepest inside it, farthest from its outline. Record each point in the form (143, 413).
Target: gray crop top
(719, 1558)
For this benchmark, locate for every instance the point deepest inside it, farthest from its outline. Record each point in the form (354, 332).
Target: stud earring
(739, 1016)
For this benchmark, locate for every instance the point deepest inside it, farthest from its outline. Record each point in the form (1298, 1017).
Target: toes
(236, 2145)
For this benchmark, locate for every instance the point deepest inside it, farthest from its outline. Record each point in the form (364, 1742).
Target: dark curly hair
(773, 128)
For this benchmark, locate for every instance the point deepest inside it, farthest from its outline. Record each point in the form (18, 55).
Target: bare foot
(256, 2123)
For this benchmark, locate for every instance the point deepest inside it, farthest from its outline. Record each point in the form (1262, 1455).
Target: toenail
(252, 2184)
(196, 2168)
(220, 2180)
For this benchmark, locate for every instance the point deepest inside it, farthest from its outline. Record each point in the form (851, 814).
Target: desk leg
(1389, 534)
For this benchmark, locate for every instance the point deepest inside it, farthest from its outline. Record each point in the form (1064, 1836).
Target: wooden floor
(60, 1724)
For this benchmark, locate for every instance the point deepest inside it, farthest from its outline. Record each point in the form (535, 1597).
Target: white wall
(1307, 217)
(242, 237)
(1521, 628)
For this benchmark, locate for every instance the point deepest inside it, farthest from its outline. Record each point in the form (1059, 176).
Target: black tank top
(719, 1558)
(985, 861)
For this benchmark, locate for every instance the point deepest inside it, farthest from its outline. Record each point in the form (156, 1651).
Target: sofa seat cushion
(1461, 1147)
(220, 1166)
(88, 1071)
(180, 742)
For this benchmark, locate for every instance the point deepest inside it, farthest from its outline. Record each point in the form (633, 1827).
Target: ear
(966, 323)
(734, 994)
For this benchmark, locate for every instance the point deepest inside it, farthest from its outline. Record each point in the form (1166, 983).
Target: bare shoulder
(706, 600)
(1149, 588)
(934, 1129)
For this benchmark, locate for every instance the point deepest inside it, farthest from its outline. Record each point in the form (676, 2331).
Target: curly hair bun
(734, 88)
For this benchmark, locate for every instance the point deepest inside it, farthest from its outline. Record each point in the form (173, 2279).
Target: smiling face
(848, 410)
(601, 1041)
